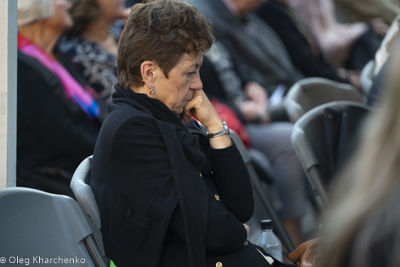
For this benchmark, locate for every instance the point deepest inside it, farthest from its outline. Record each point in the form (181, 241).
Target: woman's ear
(147, 71)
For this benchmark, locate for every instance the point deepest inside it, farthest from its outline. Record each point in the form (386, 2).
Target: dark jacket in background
(258, 52)
(53, 134)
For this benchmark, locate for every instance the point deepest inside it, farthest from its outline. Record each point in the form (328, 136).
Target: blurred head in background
(86, 12)
(53, 13)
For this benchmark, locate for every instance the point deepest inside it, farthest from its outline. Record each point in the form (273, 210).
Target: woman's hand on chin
(201, 108)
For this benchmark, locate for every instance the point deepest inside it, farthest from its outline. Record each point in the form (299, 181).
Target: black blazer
(165, 197)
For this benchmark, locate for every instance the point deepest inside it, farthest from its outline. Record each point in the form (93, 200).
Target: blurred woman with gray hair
(58, 119)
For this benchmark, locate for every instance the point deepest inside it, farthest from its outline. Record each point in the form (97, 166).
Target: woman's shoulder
(126, 116)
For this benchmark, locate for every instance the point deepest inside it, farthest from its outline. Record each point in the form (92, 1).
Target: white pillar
(8, 92)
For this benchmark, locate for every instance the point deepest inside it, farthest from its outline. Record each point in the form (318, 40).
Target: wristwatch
(225, 130)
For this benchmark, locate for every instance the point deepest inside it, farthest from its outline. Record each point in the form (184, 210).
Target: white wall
(8, 88)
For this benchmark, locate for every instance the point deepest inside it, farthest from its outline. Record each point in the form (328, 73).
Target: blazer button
(245, 243)
(201, 175)
(219, 264)
(217, 198)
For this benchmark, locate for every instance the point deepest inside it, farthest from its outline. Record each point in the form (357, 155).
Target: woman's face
(61, 19)
(183, 80)
(111, 9)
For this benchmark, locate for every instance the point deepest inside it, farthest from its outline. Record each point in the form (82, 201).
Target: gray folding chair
(308, 140)
(86, 200)
(309, 93)
(367, 76)
(42, 228)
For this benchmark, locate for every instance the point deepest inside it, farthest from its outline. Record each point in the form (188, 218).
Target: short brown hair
(161, 31)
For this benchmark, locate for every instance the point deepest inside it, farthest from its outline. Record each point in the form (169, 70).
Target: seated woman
(168, 194)
(91, 44)
(57, 119)
(361, 224)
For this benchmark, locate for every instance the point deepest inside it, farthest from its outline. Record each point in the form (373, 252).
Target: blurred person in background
(57, 119)
(361, 226)
(301, 44)
(348, 46)
(256, 49)
(91, 44)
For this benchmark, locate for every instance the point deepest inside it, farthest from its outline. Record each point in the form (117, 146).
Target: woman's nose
(196, 84)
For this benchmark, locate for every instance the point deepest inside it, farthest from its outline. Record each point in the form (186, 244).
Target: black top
(166, 198)
(53, 133)
(306, 58)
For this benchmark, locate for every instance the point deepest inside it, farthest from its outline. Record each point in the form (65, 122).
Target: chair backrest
(84, 195)
(367, 76)
(309, 93)
(42, 228)
(309, 143)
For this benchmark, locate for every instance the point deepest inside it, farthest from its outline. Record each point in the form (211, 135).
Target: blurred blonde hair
(32, 10)
(365, 211)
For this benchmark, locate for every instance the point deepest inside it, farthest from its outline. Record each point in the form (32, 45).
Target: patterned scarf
(72, 89)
